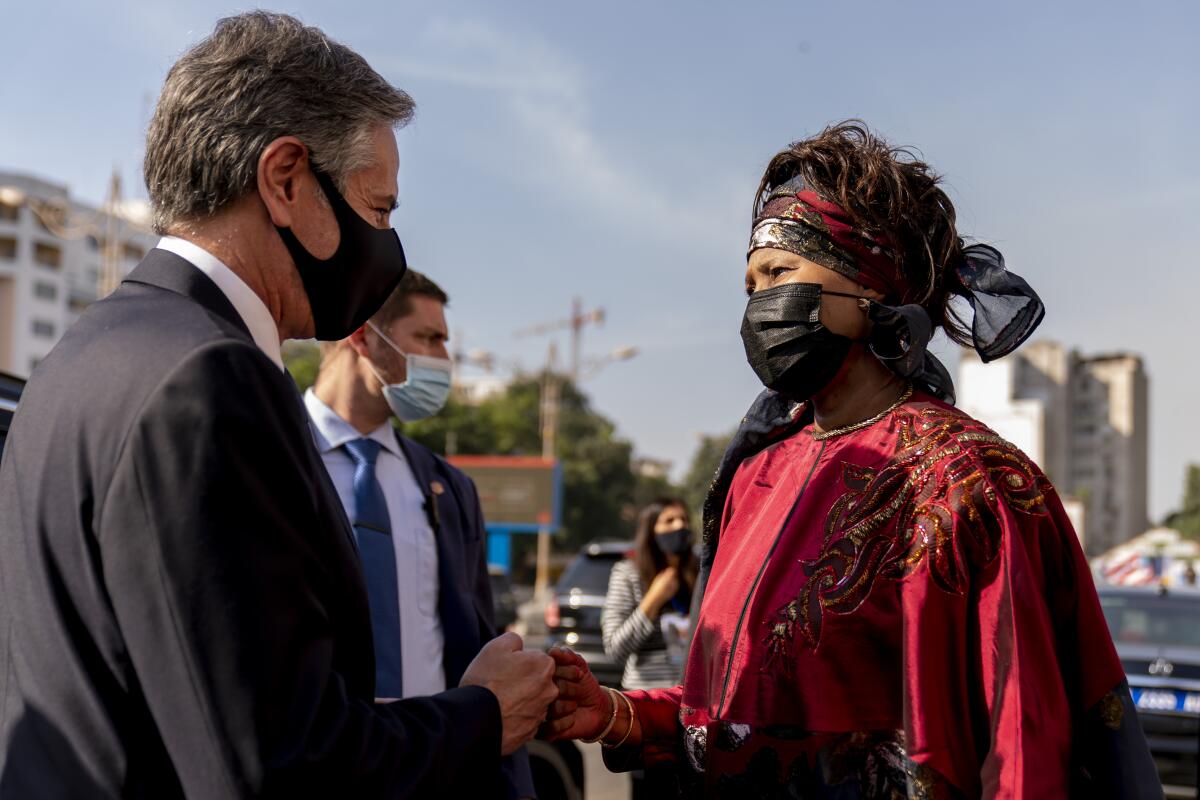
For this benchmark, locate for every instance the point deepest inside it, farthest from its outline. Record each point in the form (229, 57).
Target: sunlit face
(370, 191)
(671, 518)
(421, 332)
(769, 267)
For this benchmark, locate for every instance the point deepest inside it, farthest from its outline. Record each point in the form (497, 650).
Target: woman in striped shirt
(650, 591)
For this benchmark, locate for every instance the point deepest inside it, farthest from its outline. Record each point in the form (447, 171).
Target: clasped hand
(582, 708)
(523, 682)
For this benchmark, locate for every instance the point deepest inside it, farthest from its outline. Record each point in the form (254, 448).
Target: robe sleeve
(658, 711)
(1013, 687)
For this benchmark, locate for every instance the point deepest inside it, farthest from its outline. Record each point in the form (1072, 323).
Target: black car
(1157, 633)
(573, 616)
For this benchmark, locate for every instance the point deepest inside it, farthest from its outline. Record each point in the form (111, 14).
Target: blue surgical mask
(425, 388)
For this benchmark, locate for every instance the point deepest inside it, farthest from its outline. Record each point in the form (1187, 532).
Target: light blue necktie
(373, 531)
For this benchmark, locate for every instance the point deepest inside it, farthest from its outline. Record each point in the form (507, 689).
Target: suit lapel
(456, 606)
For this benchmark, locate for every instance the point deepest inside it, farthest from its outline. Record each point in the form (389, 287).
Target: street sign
(519, 494)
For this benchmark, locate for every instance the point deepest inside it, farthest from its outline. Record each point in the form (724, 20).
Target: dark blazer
(465, 591)
(182, 611)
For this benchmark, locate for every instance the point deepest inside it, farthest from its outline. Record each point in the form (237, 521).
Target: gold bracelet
(611, 720)
(632, 717)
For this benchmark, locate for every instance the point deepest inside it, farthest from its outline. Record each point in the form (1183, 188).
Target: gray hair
(260, 76)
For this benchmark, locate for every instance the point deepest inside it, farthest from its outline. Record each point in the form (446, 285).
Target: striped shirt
(632, 638)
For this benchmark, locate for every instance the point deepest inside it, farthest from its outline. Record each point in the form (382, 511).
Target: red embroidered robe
(900, 611)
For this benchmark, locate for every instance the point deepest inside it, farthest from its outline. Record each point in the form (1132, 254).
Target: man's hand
(523, 682)
(583, 708)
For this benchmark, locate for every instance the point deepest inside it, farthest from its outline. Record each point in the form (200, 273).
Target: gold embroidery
(1111, 711)
(935, 505)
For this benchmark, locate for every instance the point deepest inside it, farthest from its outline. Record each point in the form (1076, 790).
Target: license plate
(1166, 700)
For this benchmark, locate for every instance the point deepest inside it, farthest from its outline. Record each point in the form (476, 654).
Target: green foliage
(1187, 519)
(599, 485)
(302, 359)
(703, 467)
(647, 489)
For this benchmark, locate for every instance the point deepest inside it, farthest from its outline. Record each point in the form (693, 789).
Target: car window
(1153, 620)
(589, 573)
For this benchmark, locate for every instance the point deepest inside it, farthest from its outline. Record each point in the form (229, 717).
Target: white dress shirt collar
(331, 431)
(248, 305)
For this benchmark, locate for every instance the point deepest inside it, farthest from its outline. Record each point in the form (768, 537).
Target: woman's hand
(664, 586)
(583, 708)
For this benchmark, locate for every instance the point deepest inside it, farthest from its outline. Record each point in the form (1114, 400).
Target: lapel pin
(437, 488)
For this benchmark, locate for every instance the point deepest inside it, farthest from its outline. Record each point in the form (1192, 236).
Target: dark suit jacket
(182, 610)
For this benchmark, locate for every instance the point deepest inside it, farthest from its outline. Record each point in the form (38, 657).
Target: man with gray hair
(183, 610)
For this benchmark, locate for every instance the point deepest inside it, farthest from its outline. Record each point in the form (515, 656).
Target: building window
(93, 242)
(43, 329)
(45, 291)
(9, 212)
(8, 248)
(47, 255)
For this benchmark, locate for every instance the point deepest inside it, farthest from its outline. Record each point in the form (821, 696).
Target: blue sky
(610, 151)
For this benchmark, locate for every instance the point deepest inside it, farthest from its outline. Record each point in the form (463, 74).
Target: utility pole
(551, 400)
(575, 323)
(550, 407)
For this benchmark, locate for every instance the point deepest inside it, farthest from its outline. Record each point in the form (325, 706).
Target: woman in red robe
(894, 603)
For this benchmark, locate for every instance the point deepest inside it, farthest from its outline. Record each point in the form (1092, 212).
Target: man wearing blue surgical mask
(416, 519)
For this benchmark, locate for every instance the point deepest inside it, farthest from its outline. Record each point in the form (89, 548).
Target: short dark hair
(399, 302)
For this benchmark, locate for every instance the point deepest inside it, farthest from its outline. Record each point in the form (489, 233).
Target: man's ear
(358, 342)
(282, 174)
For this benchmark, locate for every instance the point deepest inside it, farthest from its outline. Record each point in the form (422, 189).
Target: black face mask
(674, 543)
(786, 344)
(345, 289)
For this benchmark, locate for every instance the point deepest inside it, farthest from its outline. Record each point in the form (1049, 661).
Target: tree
(703, 469)
(302, 359)
(1187, 519)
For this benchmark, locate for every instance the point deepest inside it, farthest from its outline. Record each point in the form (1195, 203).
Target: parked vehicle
(573, 615)
(1157, 633)
(504, 600)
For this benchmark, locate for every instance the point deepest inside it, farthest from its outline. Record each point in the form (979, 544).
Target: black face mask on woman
(788, 348)
(345, 289)
(674, 543)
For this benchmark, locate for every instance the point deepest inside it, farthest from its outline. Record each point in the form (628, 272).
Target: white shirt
(248, 305)
(421, 638)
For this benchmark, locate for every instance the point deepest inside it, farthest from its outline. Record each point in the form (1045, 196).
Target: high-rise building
(1083, 420)
(53, 256)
